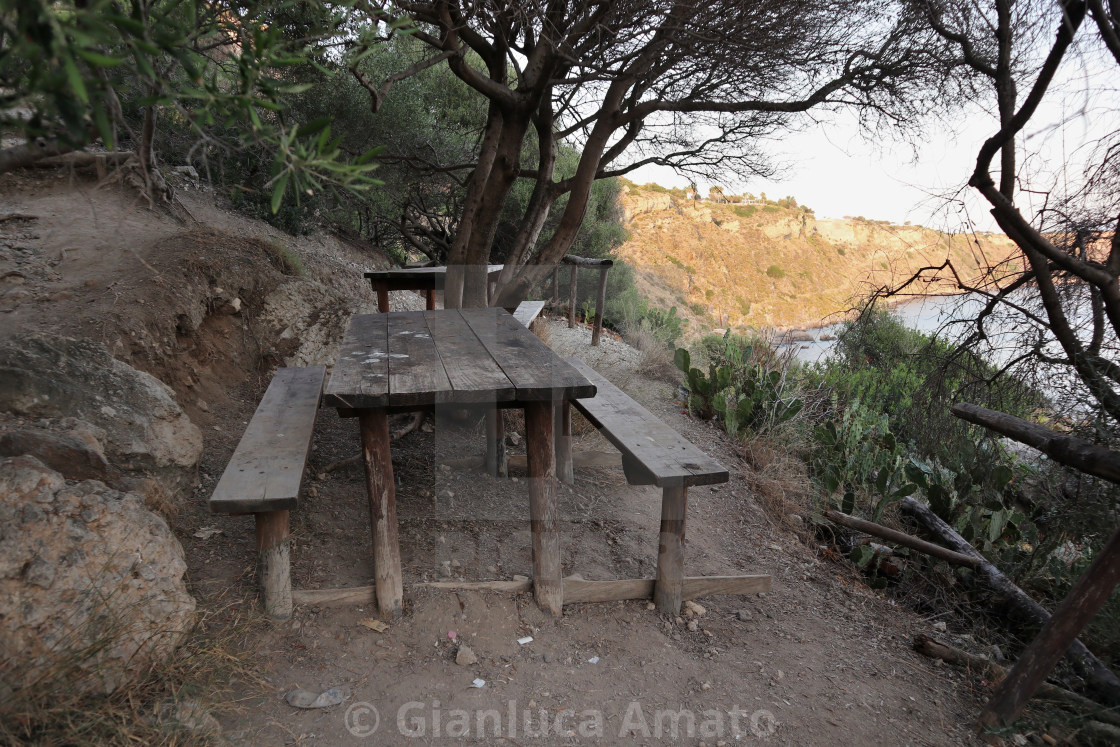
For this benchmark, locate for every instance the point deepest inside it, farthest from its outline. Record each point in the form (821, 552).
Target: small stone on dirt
(695, 608)
(743, 615)
(464, 657)
(693, 626)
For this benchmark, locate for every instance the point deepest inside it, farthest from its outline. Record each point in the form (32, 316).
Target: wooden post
(496, 462)
(669, 587)
(1073, 614)
(275, 562)
(382, 510)
(430, 297)
(382, 290)
(600, 304)
(555, 284)
(563, 431)
(572, 298)
(544, 514)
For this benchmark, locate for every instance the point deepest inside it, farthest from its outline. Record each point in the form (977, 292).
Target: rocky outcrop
(306, 322)
(91, 582)
(70, 446)
(144, 431)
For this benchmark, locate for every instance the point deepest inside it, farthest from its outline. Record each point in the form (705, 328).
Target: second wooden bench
(652, 454)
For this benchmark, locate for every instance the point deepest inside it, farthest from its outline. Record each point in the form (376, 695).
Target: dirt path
(820, 658)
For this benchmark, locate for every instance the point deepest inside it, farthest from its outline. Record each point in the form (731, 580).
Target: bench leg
(496, 463)
(544, 514)
(669, 588)
(275, 563)
(382, 511)
(563, 430)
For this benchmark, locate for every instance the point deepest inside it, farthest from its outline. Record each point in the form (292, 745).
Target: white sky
(838, 173)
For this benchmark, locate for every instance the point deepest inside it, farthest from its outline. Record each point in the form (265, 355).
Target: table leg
(669, 587)
(496, 463)
(563, 431)
(431, 300)
(382, 510)
(544, 514)
(382, 291)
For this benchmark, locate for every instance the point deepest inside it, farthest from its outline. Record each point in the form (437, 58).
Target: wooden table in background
(403, 361)
(427, 279)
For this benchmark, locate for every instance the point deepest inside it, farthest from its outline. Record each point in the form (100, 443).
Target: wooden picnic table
(405, 361)
(428, 279)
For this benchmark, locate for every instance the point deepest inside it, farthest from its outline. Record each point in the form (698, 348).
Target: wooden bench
(527, 311)
(263, 476)
(653, 454)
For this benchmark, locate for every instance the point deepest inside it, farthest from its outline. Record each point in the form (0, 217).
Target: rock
(514, 438)
(693, 626)
(307, 320)
(89, 578)
(75, 452)
(694, 608)
(464, 657)
(743, 615)
(44, 375)
(795, 519)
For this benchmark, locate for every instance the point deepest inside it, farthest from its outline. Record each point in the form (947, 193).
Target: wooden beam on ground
(901, 538)
(578, 590)
(1067, 450)
(1060, 631)
(367, 594)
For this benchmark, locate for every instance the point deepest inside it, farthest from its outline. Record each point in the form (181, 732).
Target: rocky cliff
(769, 265)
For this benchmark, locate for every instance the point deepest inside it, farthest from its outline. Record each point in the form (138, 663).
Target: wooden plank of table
(416, 371)
(636, 432)
(471, 370)
(361, 376)
(267, 467)
(533, 367)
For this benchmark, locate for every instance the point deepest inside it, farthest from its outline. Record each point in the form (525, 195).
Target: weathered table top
(418, 278)
(415, 359)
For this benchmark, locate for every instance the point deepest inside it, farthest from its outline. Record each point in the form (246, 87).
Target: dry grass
(198, 677)
(779, 476)
(656, 361)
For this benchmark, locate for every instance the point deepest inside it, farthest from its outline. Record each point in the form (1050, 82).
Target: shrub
(775, 272)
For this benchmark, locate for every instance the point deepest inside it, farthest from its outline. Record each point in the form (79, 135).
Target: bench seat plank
(666, 455)
(527, 311)
(267, 467)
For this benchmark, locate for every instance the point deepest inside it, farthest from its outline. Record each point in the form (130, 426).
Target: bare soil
(821, 658)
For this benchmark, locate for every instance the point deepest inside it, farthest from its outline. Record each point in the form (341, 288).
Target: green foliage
(75, 66)
(745, 211)
(775, 272)
(664, 324)
(738, 388)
